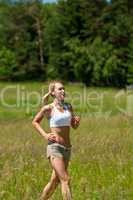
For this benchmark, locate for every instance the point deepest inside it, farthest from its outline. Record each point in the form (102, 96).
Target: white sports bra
(58, 118)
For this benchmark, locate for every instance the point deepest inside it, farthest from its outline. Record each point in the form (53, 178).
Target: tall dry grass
(101, 167)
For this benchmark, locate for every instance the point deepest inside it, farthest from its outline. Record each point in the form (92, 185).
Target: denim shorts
(58, 150)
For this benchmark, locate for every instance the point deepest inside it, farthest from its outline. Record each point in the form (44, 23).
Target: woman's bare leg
(60, 166)
(50, 187)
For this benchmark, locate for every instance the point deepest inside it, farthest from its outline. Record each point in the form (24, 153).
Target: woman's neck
(58, 103)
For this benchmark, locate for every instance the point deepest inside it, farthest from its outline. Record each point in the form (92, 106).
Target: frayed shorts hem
(56, 150)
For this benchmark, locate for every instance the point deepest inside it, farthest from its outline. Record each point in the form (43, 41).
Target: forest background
(88, 41)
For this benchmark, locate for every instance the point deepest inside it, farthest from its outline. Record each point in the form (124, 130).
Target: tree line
(90, 41)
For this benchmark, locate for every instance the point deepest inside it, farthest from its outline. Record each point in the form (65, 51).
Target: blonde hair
(51, 88)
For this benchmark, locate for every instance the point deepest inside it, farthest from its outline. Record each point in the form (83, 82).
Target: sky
(49, 1)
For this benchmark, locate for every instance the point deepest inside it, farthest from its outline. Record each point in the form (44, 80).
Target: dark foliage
(74, 40)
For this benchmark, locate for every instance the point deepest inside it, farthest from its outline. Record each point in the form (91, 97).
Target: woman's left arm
(75, 121)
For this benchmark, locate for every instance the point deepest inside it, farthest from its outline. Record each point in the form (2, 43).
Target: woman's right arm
(37, 119)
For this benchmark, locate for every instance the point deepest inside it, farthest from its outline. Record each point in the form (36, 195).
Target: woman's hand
(55, 138)
(52, 137)
(75, 121)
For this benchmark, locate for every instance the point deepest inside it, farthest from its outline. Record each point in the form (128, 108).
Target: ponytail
(45, 98)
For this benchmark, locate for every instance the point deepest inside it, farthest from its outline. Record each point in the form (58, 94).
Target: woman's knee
(65, 179)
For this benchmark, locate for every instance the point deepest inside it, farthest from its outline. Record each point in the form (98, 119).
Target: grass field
(101, 167)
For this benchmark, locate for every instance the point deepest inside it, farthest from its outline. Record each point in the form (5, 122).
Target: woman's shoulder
(68, 105)
(47, 108)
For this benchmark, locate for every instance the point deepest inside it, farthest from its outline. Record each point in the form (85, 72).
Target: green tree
(7, 64)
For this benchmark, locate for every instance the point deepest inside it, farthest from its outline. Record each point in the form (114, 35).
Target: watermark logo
(86, 102)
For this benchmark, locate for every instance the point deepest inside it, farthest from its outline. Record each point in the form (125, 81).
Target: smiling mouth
(63, 95)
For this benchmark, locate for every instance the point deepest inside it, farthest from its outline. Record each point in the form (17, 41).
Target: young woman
(61, 118)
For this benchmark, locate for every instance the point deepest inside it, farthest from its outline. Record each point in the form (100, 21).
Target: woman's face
(59, 91)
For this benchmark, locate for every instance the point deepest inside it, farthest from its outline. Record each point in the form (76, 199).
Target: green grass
(101, 167)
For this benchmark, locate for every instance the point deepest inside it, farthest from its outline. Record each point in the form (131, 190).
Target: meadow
(101, 166)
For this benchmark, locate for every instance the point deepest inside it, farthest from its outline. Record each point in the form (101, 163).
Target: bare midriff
(63, 133)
